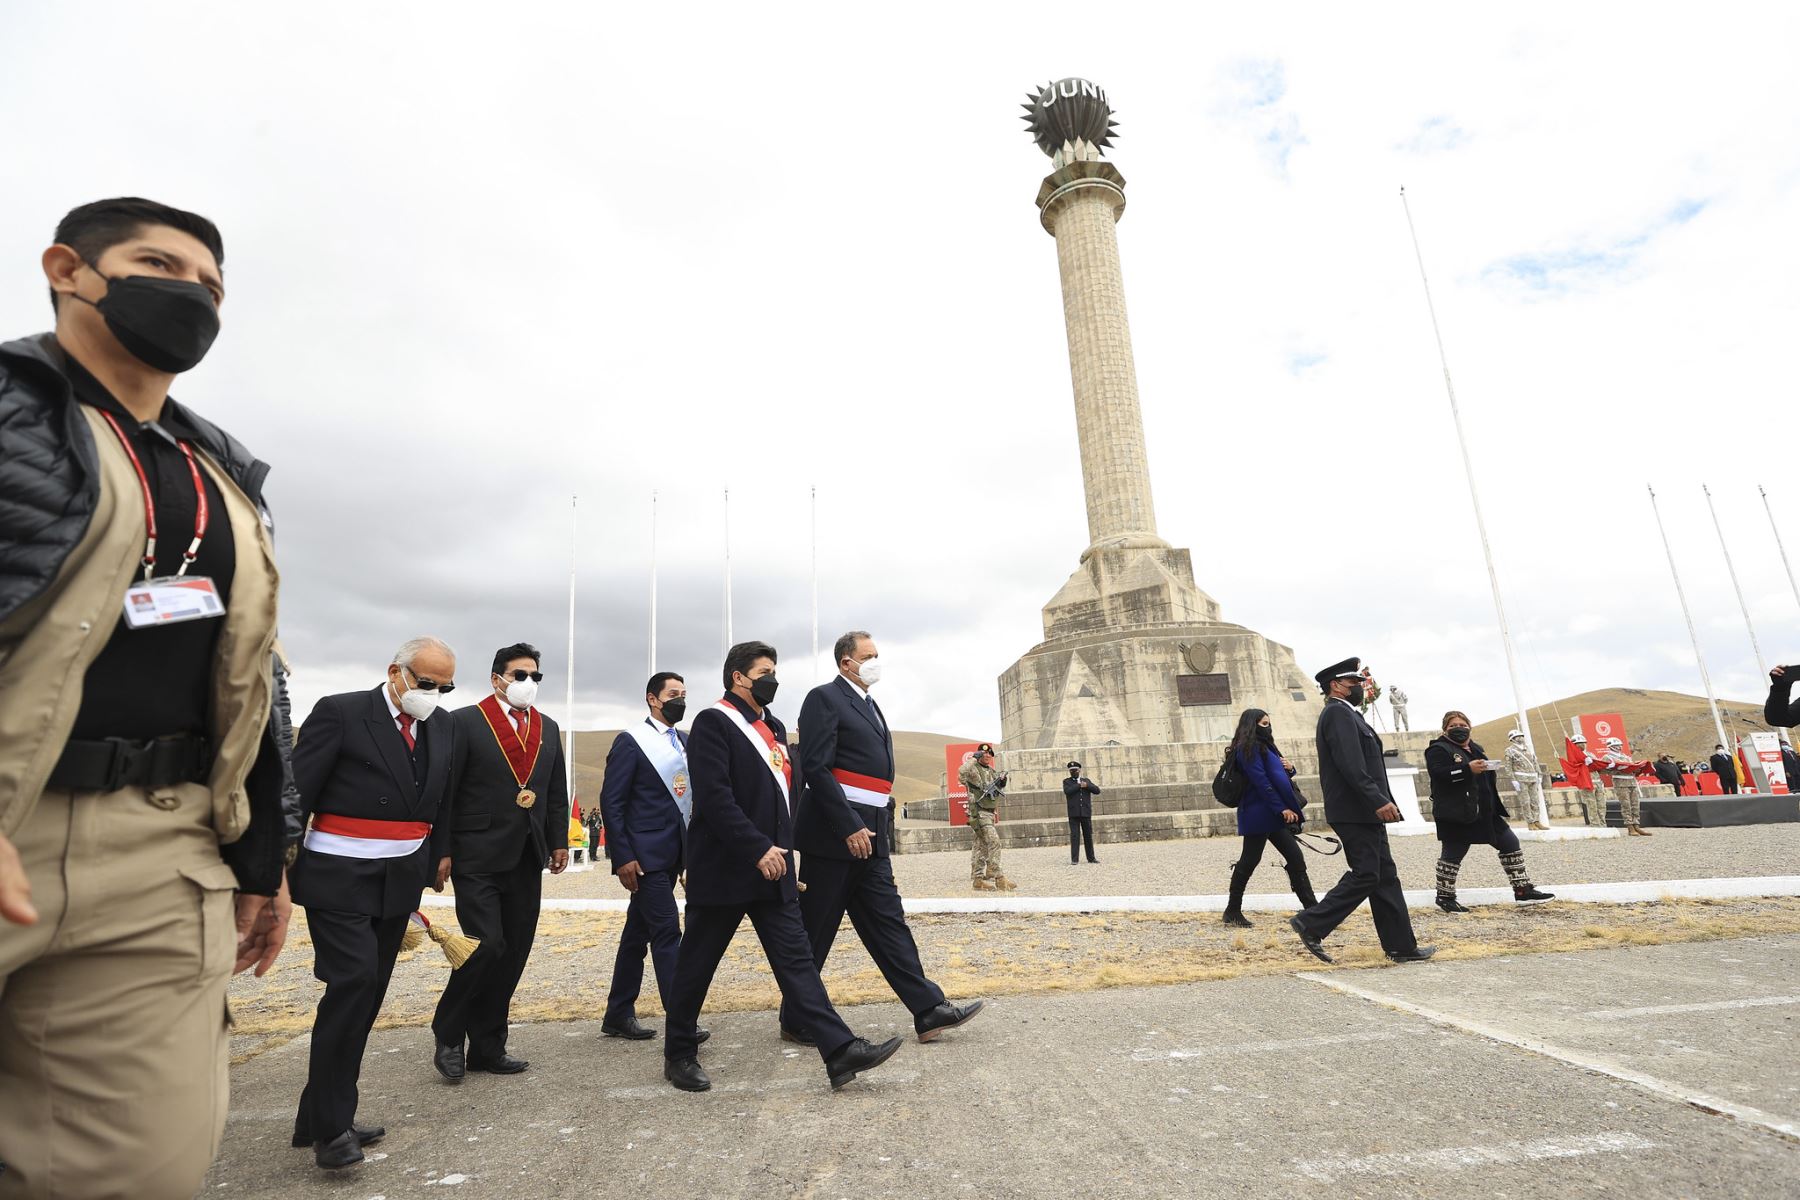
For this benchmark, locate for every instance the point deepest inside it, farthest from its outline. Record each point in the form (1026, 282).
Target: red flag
(1575, 768)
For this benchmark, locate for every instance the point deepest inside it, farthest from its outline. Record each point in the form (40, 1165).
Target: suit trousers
(502, 911)
(710, 928)
(353, 956)
(651, 922)
(1372, 877)
(1081, 829)
(113, 1018)
(865, 889)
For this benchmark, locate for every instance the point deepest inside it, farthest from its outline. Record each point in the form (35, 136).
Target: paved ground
(1204, 865)
(1280, 1085)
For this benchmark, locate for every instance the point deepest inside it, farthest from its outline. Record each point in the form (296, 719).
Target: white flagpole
(1512, 662)
(569, 688)
(1705, 679)
(1783, 549)
(728, 643)
(652, 668)
(815, 582)
(1732, 571)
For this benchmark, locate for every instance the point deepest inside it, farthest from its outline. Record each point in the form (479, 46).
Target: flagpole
(569, 688)
(727, 645)
(815, 582)
(1732, 571)
(1512, 661)
(1705, 679)
(652, 668)
(1783, 549)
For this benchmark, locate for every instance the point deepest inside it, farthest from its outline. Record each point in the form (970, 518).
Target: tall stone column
(1079, 205)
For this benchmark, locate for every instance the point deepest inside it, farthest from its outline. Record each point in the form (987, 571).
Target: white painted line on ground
(1703, 1101)
(1177, 1054)
(1457, 1158)
(1657, 1010)
(1733, 888)
(1580, 834)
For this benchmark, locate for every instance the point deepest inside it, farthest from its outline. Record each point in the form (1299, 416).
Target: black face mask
(673, 711)
(167, 324)
(1265, 733)
(763, 690)
(1356, 694)
(1459, 735)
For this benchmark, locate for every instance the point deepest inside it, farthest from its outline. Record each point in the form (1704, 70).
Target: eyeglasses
(430, 685)
(522, 676)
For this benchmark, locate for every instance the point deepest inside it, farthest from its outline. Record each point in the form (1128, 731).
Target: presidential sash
(771, 751)
(668, 762)
(521, 756)
(870, 791)
(358, 837)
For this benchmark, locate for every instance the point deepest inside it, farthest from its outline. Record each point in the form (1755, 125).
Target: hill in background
(1656, 722)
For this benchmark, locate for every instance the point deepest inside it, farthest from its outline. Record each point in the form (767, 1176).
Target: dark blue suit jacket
(838, 730)
(1352, 775)
(739, 812)
(643, 822)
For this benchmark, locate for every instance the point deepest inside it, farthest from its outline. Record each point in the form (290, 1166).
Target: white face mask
(869, 671)
(418, 705)
(521, 692)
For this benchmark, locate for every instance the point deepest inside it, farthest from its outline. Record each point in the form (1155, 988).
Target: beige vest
(47, 646)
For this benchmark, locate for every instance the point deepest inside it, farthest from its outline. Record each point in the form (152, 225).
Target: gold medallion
(527, 798)
(776, 760)
(681, 783)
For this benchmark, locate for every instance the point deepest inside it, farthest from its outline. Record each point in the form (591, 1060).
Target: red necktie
(406, 724)
(522, 718)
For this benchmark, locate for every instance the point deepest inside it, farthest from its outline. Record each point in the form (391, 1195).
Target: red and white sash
(867, 790)
(359, 837)
(773, 754)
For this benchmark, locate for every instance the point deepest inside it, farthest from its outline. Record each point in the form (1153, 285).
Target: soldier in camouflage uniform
(985, 785)
(1522, 765)
(1625, 785)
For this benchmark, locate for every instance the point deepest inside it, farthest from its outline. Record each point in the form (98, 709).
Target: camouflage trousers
(984, 863)
(1628, 794)
(1528, 796)
(1595, 801)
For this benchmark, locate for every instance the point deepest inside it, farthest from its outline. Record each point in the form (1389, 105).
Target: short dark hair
(743, 656)
(95, 228)
(506, 654)
(846, 645)
(659, 680)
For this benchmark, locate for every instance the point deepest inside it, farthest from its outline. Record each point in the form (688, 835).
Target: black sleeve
(1776, 709)
(1343, 741)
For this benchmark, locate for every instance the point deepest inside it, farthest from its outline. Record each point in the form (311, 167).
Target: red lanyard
(201, 513)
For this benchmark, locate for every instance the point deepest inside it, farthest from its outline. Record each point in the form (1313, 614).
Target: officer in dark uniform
(1078, 793)
(1357, 804)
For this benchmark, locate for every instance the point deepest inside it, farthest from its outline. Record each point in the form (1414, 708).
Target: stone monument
(1135, 655)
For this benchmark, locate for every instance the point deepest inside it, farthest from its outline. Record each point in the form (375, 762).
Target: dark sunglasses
(430, 685)
(522, 676)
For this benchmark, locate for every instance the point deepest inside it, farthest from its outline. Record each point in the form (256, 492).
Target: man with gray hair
(373, 773)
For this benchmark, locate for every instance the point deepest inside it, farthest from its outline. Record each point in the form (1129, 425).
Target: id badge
(171, 600)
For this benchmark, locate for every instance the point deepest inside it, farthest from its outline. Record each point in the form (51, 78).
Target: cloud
(1250, 92)
(1592, 260)
(1436, 135)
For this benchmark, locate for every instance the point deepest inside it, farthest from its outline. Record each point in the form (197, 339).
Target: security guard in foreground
(985, 786)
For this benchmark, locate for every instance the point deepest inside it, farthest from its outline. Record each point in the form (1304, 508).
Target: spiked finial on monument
(1070, 120)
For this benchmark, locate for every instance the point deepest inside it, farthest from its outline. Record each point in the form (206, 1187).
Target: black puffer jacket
(49, 485)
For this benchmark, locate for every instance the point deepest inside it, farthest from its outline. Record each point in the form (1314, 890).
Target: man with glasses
(509, 820)
(373, 772)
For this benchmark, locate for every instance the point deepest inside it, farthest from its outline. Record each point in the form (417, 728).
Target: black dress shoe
(365, 1136)
(1093, 862)
(1412, 956)
(700, 1035)
(934, 1021)
(504, 1065)
(1313, 945)
(859, 1055)
(341, 1151)
(1236, 919)
(685, 1073)
(799, 1039)
(449, 1062)
(629, 1029)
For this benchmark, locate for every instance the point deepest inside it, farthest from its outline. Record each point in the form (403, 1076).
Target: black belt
(109, 764)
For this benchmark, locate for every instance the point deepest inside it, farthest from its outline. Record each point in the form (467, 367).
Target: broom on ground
(457, 947)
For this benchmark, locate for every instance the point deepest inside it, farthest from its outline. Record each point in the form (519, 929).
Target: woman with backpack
(1269, 811)
(1465, 801)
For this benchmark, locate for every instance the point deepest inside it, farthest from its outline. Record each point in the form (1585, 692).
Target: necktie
(675, 741)
(522, 718)
(875, 712)
(406, 724)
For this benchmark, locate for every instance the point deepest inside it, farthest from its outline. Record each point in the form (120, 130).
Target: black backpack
(1229, 784)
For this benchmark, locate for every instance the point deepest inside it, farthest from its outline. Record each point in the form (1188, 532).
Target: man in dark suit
(1078, 796)
(841, 831)
(373, 777)
(647, 799)
(1726, 770)
(1358, 804)
(1667, 772)
(510, 818)
(1778, 710)
(739, 864)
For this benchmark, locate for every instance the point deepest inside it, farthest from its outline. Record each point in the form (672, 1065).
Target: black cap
(1074, 766)
(1343, 670)
(984, 748)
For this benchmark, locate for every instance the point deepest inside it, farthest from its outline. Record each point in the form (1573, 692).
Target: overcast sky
(483, 258)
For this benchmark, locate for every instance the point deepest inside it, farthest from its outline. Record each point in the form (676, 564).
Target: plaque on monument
(1194, 690)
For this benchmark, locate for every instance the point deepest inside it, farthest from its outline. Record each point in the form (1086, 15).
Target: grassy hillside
(1657, 722)
(919, 762)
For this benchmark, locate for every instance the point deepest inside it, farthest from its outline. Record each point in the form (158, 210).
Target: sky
(482, 261)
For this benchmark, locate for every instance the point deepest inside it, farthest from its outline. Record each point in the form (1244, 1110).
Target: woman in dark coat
(1466, 805)
(1271, 811)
